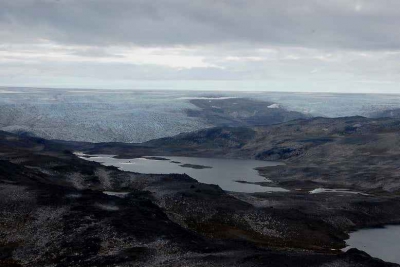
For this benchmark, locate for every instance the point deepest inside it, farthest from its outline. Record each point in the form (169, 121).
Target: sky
(350, 46)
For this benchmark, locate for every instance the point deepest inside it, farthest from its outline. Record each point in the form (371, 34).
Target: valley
(199, 133)
(258, 185)
(294, 226)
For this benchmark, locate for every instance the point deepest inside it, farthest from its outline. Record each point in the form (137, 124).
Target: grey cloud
(94, 52)
(349, 24)
(309, 45)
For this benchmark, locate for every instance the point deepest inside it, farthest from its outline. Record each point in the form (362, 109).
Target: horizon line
(195, 90)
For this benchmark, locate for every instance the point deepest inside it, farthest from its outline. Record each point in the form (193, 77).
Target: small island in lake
(156, 158)
(194, 166)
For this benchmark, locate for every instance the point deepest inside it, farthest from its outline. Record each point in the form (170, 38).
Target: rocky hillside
(235, 112)
(391, 113)
(59, 210)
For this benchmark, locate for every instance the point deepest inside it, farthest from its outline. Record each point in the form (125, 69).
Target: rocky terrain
(60, 210)
(235, 112)
(390, 113)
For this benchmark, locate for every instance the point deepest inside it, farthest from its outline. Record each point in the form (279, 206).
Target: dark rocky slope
(54, 213)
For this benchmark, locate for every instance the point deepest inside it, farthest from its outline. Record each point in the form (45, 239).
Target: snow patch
(327, 190)
(206, 98)
(116, 194)
(274, 106)
(10, 92)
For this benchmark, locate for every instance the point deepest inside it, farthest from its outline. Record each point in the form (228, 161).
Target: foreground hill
(59, 210)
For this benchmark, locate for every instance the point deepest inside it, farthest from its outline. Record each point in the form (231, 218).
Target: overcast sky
(281, 45)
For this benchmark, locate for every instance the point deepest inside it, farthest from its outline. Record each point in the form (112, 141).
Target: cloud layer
(300, 43)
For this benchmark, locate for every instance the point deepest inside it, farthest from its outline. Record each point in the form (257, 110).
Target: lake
(382, 243)
(223, 172)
